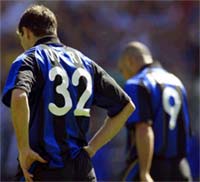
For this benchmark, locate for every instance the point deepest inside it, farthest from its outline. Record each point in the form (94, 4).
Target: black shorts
(170, 170)
(78, 169)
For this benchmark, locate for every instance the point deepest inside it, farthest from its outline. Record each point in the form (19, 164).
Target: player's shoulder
(166, 77)
(136, 82)
(24, 56)
(133, 81)
(177, 82)
(87, 62)
(80, 54)
(137, 79)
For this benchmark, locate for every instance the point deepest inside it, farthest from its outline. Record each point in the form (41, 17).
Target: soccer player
(158, 130)
(50, 89)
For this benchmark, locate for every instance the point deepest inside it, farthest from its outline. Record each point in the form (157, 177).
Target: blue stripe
(49, 138)
(133, 172)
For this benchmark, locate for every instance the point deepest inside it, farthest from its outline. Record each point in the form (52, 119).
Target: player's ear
(27, 32)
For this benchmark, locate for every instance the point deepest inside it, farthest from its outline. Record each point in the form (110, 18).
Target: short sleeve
(21, 75)
(141, 98)
(107, 93)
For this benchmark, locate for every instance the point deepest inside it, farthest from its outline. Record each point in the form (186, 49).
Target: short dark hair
(39, 19)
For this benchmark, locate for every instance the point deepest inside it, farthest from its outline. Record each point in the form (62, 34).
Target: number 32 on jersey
(63, 90)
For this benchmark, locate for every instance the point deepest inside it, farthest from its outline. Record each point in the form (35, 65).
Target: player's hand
(146, 178)
(89, 150)
(26, 159)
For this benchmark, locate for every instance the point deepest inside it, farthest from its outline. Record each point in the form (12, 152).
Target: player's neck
(42, 37)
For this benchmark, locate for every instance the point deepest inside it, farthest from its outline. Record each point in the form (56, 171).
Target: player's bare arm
(145, 144)
(109, 129)
(20, 117)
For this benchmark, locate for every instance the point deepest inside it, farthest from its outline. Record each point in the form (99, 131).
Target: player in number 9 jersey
(50, 89)
(159, 129)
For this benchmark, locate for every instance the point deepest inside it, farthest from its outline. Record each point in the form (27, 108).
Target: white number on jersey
(63, 90)
(172, 109)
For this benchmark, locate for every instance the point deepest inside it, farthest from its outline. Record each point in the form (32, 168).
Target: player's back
(61, 106)
(61, 86)
(168, 109)
(170, 113)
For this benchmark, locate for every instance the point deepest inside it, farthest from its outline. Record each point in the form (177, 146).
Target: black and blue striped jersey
(160, 97)
(62, 84)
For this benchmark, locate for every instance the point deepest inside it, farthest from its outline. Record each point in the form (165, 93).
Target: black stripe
(181, 136)
(41, 127)
(80, 119)
(144, 97)
(181, 129)
(61, 135)
(165, 119)
(59, 122)
(37, 107)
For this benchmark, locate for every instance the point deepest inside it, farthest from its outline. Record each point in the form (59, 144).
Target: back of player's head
(138, 51)
(40, 20)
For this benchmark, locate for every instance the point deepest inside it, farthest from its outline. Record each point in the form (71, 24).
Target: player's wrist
(23, 147)
(90, 150)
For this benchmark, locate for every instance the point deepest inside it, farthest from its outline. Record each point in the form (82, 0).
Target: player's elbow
(127, 111)
(122, 116)
(131, 107)
(17, 96)
(144, 129)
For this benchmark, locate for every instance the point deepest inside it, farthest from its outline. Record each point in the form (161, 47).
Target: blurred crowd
(100, 29)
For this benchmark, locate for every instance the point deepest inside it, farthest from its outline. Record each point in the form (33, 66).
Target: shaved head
(138, 51)
(134, 56)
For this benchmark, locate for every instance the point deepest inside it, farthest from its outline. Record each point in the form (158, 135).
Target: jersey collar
(152, 65)
(49, 39)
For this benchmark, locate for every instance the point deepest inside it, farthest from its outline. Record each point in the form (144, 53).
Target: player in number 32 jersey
(50, 89)
(62, 84)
